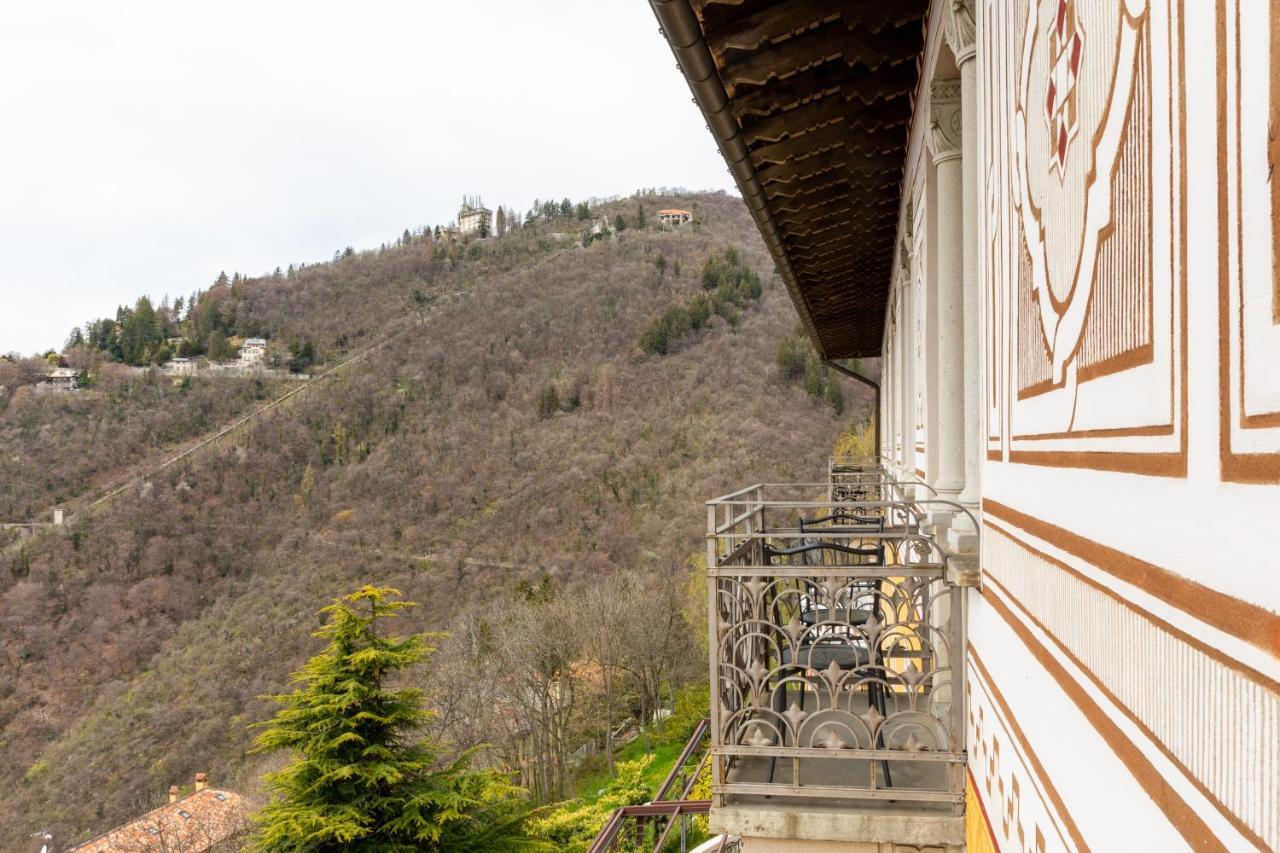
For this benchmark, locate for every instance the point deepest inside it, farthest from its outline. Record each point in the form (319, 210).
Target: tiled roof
(810, 102)
(671, 211)
(194, 823)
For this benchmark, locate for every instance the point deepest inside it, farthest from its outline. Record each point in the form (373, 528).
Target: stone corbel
(944, 120)
(960, 30)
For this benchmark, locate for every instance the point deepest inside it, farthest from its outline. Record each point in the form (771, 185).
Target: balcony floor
(839, 772)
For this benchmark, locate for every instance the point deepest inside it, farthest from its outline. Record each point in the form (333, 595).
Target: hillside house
(208, 819)
(674, 216)
(474, 217)
(1043, 615)
(180, 366)
(59, 379)
(252, 351)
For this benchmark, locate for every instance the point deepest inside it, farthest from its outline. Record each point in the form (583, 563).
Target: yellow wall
(977, 834)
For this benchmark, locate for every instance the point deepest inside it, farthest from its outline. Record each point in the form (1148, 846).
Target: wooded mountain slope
(134, 645)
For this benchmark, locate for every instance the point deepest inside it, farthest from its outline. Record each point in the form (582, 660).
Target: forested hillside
(519, 428)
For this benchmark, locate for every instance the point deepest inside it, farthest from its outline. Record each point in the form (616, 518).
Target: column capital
(960, 30)
(944, 119)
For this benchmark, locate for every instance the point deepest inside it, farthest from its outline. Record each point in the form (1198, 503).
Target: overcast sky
(148, 144)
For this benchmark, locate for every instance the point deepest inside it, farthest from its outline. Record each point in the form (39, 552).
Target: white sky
(148, 144)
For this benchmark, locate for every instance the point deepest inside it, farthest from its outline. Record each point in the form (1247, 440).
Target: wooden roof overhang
(810, 102)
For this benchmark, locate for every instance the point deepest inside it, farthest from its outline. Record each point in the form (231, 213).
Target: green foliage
(640, 220)
(548, 401)
(693, 702)
(857, 442)
(729, 286)
(359, 780)
(835, 397)
(301, 355)
(798, 362)
(792, 353)
(574, 824)
(217, 348)
(619, 224)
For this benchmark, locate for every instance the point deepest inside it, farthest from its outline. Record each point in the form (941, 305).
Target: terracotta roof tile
(194, 823)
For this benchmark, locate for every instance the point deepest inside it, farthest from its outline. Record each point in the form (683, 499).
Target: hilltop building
(209, 819)
(474, 217)
(253, 350)
(58, 379)
(674, 216)
(1044, 615)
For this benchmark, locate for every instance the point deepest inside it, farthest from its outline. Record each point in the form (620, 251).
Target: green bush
(693, 702)
(574, 824)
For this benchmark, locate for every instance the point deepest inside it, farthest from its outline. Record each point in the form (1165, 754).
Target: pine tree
(639, 215)
(218, 349)
(360, 779)
(619, 224)
(501, 221)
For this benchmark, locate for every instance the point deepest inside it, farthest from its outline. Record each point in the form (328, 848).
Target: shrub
(574, 824)
(693, 702)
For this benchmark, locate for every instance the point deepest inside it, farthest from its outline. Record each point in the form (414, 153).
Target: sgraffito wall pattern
(1128, 258)
(1083, 226)
(1249, 41)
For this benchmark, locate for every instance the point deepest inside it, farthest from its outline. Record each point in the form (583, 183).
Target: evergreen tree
(639, 215)
(619, 224)
(501, 217)
(218, 349)
(566, 208)
(548, 401)
(584, 211)
(361, 779)
(835, 397)
(140, 332)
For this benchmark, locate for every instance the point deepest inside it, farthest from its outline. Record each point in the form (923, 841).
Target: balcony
(837, 642)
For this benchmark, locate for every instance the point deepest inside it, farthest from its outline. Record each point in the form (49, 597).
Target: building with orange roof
(209, 819)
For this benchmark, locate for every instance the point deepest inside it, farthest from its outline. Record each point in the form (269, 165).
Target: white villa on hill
(474, 217)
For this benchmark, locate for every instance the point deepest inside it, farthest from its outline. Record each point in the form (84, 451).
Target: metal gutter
(865, 380)
(680, 27)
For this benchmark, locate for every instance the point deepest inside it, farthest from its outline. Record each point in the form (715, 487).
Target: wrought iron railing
(663, 823)
(836, 642)
(862, 479)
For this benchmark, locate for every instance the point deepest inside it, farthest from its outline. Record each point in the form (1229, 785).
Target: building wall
(1123, 670)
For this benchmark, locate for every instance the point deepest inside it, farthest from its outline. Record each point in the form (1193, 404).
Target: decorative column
(944, 145)
(963, 536)
(907, 359)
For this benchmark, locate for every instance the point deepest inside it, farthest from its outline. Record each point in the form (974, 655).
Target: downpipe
(875, 386)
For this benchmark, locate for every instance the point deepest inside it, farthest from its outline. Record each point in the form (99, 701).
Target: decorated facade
(1055, 223)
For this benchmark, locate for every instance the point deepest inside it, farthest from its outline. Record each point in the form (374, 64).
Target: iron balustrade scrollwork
(837, 649)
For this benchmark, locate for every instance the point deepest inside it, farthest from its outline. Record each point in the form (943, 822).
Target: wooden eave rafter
(811, 103)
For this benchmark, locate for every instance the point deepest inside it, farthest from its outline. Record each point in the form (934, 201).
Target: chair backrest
(828, 553)
(843, 518)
